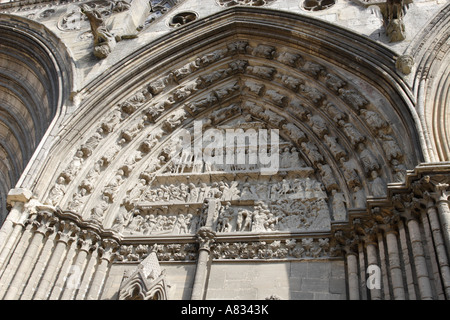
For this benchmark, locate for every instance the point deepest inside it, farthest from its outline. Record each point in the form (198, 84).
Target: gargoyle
(104, 41)
(393, 12)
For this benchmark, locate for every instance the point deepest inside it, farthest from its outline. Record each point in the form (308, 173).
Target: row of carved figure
(243, 159)
(309, 214)
(298, 188)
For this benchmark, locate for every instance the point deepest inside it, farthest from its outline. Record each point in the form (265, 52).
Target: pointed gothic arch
(431, 83)
(304, 82)
(35, 82)
(343, 114)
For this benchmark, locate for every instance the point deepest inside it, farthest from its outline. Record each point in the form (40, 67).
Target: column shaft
(444, 217)
(395, 266)
(25, 267)
(406, 262)
(198, 289)
(439, 245)
(353, 279)
(38, 268)
(51, 271)
(419, 260)
(58, 286)
(98, 280)
(372, 261)
(74, 281)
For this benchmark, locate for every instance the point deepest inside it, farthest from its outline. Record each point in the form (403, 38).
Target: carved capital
(88, 240)
(347, 243)
(385, 220)
(442, 191)
(18, 195)
(206, 238)
(429, 199)
(66, 231)
(108, 249)
(44, 222)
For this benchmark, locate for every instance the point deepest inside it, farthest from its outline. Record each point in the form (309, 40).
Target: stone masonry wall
(286, 280)
(295, 280)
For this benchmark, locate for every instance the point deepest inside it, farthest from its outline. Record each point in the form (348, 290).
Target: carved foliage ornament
(304, 248)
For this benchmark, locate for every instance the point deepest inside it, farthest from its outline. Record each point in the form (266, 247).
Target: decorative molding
(317, 124)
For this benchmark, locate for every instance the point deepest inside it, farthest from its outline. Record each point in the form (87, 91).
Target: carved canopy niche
(344, 124)
(146, 282)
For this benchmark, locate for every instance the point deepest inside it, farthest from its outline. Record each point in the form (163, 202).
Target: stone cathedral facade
(119, 179)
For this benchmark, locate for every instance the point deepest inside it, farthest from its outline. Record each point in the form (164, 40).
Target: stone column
(107, 251)
(41, 261)
(206, 237)
(87, 243)
(17, 198)
(11, 267)
(13, 237)
(406, 261)
(64, 271)
(384, 272)
(419, 260)
(439, 245)
(444, 212)
(26, 265)
(394, 265)
(65, 235)
(362, 271)
(353, 279)
(432, 263)
(14, 224)
(89, 273)
(372, 261)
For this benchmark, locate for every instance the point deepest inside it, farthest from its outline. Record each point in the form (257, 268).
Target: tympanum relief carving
(328, 161)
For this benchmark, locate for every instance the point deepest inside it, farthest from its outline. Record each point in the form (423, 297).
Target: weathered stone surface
(198, 159)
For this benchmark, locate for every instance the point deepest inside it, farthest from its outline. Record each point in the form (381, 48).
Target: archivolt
(350, 121)
(35, 80)
(432, 84)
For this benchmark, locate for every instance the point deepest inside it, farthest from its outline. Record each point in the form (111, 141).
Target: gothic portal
(252, 150)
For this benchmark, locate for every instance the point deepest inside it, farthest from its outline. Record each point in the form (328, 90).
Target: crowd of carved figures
(289, 158)
(286, 209)
(405, 234)
(322, 120)
(298, 188)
